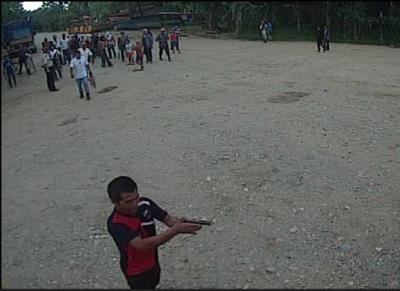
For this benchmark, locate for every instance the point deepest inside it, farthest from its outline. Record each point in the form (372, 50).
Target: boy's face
(128, 204)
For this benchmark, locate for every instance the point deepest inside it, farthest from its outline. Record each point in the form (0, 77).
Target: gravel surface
(294, 154)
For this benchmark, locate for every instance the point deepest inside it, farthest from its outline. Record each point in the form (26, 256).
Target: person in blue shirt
(8, 68)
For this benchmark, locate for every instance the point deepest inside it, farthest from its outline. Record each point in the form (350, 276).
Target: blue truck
(17, 33)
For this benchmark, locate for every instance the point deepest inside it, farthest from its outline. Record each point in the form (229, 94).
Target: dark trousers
(149, 54)
(166, 51)
(146, 280)
(111, 49)
(319, 45)
(11, 77)
(104, 58)
(122, 50)
(22, 61)
(326, 45)
(66, 56)
(50, 79)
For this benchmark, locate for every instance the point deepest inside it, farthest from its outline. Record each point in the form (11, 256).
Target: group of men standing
(79, 52)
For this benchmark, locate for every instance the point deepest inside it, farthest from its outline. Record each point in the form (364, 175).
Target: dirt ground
(294, 154)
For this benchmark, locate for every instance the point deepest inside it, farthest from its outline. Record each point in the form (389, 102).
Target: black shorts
(146, 280)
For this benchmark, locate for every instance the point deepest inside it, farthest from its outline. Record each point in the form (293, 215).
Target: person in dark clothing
(22, 60)
(147, 46)
(103, 54)
(74, 45)
(132, 227)
(8, 68)
(162, 39)
(122, 39)
(320, 38)
(327, 36)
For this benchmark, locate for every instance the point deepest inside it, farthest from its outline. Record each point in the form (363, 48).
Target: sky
(31, 5)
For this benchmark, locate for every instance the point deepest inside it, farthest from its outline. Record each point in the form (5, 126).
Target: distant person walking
(122, 39)
(269, 29)
(23, 51)
(147, 41)
(327, 37)
(263, 30)
(111, 46)
(162, 39)
(175, 40)
(9, 71)
(103, 54)
(320, 38)
(64, 44)
(82, 70)
(48, 66)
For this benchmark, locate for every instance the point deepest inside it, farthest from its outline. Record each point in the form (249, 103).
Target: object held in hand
(197, 221)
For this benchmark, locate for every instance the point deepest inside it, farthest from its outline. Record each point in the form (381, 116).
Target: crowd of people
(80, 52)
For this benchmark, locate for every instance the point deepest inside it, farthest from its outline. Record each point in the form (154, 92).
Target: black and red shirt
(124, 228)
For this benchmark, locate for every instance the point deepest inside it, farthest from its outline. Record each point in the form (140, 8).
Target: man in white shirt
(82, 68)
(47, 64)
(86, 53)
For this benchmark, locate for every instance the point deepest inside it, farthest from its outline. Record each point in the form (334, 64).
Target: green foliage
(12, 11)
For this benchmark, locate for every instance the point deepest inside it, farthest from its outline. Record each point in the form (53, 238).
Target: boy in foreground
(131, 225)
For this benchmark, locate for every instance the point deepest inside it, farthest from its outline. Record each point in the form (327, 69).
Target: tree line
(352, 21)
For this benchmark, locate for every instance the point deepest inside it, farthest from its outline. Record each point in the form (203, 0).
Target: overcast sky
(32, 5)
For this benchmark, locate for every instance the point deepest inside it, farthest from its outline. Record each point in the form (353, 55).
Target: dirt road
(294, 154)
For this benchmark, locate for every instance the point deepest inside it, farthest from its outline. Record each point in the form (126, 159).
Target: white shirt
(80, 67)
(46, 60)
(64, 44)
(85, 52)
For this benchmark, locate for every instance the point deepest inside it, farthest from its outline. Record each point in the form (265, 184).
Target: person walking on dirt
(327, 36)
(139, 54)
(23, 51)
(111, 46)
(263, 30)
(122, 40)
(320, 38)
(103, 54)
(64, 44)
(269, 29)
(47, 64)
(175, 40)
(162, 39)
(8, 68)
(147, 42)
(55, 56)
(81, 67)
(132, 227)
(86, 53)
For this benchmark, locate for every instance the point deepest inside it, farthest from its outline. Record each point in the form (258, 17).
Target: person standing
(269, 29)
(132, 227)
(55, 56)
(111, 45)
(64, 44)
(122, 39)
(47, 64)
(162, 39)
(327, 36)
(320, 38)
(23, 51)
(82, 70)
(263, 30)
(139, 54)
(129, 47)
(175, 40)
(147, 46)
(103, 54)
(8, 68)
(86, 53)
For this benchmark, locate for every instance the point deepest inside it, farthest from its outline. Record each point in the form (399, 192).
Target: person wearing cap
(147, 42)
(162, 39)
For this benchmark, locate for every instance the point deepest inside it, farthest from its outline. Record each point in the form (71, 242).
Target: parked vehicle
(17, 33)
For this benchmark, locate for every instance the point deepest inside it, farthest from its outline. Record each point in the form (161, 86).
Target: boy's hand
(182, 227)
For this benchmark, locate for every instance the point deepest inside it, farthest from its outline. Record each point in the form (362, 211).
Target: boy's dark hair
(120, 185)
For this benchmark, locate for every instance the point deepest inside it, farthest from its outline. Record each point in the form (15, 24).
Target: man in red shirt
(131, 225)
